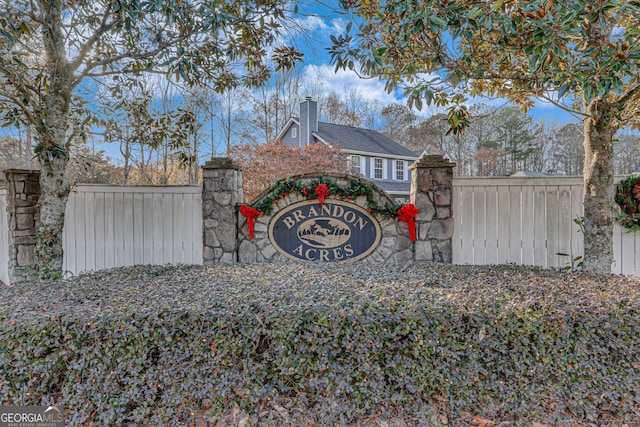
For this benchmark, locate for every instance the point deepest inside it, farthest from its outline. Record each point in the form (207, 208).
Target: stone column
(23, 211)
(221, 195)
(431, 190)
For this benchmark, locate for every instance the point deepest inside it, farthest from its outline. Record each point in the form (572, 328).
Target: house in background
(377, 157)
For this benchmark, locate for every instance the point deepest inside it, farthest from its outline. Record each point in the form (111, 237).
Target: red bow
(251, 215)
(408, 213)
(322, 190)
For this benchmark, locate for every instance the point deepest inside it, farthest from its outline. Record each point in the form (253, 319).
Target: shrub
(329, 344)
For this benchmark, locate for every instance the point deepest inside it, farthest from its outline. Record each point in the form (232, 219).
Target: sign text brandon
(333, 231)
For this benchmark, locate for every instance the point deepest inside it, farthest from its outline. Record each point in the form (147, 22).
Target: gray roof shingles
(358, 139)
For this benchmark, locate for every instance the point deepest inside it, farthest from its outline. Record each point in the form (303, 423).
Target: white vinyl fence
(527, 221)
(113, 226)
(4, 236)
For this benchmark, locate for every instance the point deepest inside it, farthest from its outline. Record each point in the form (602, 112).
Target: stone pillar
(221, 195)
(431, 190)
(23, 211)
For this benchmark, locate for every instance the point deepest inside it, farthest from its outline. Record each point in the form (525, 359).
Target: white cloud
(323, 77)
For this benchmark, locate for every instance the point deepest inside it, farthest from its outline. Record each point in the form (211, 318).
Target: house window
(355, 164)
(294, 132)
(400, 170)
(378, 168)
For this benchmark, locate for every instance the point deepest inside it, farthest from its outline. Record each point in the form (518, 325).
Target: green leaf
(475, 12)
(588, 93)
(418, 103)
(564, 89)
(438, 21)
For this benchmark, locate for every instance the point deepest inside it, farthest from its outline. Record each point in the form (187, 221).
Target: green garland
(307, 190)
(628, 198)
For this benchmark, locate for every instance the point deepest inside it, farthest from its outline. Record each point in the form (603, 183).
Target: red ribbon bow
(408, 213)
(322, 190)
(251, 215)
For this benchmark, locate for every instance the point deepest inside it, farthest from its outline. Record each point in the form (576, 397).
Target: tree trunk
(53, 201)
(52, 143)
(599, 129)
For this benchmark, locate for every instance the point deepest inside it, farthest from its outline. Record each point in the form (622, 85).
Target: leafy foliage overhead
(224, 43)
(505, 48)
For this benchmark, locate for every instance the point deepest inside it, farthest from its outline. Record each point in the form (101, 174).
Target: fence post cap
(221, 163)
(432, 161)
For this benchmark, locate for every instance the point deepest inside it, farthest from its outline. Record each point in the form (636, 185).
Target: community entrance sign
(332, 231)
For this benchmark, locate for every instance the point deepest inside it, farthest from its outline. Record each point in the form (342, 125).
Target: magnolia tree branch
(11, 98)
(629, 95)
(91, 41)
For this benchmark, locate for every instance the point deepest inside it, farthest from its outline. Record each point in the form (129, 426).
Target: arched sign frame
(393, 240)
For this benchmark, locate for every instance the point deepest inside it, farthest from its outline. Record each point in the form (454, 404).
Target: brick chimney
(308, 121)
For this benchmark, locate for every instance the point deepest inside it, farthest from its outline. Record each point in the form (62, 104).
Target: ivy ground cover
(326, 345)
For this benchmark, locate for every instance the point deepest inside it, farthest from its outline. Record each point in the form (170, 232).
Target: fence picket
(479, 226)
(177, 209)
(98, 261)
(515, 224)
(109, 231)
(118, 229)
(467, 214)
(565, 219)
(629, 251)
(528, 230)
(553, 209)
(138, 228)
(165, 219)
(491, 241)
(503, 215)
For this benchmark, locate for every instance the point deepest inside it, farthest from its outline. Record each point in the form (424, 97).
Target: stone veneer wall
(395, 245)
(221, 196)
(23, 211)
(431, 190)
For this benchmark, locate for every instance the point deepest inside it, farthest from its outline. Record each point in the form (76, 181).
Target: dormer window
(294, 132)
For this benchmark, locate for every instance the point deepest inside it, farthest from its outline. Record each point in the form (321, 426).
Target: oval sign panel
(333, 231)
